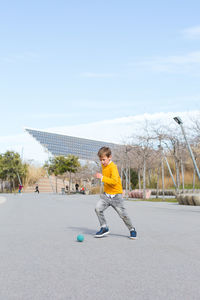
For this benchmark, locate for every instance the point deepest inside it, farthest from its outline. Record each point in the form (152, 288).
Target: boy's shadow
(84, 230)
(89, 231)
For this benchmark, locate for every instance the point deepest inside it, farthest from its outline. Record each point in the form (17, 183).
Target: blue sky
(67, 63)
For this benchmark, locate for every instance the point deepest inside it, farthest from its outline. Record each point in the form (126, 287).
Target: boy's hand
(98, 175)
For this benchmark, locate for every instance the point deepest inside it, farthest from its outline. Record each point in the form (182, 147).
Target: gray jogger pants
(117, 203)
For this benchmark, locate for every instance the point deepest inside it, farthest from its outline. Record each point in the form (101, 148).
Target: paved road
(40, 258)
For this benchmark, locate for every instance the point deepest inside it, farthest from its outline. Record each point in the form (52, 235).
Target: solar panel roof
(58, 144)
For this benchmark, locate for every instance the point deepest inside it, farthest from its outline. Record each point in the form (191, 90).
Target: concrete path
(2, 200)
(40, 258)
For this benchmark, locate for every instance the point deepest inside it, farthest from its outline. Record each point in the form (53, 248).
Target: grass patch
(171, 200)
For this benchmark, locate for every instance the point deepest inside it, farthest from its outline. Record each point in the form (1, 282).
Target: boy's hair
(104, 151)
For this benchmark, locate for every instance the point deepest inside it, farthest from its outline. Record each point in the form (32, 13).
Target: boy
(112, 194)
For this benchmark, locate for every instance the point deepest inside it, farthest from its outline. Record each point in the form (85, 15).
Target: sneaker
(133, 234)
(102, 232)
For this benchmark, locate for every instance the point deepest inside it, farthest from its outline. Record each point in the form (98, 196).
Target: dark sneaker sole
(99, 236)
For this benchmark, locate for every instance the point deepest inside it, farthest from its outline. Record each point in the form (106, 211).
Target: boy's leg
(102, 204)
(118, 205)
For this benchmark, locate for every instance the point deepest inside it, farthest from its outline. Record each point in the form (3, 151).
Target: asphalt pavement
(40, 258)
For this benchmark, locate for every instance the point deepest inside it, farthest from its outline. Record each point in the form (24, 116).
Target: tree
(12, 168)
(133, 178)
(2, 173)
(145, 150)
(72, 166)
(60, 165)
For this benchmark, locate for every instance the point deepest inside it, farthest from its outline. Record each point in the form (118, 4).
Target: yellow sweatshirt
(111, 179)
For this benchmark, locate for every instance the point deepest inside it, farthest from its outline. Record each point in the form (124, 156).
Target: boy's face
(105, 160)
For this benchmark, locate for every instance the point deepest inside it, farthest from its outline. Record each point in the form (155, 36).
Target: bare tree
(145, 149)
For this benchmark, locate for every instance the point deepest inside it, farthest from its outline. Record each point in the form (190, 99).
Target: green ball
(80, 238)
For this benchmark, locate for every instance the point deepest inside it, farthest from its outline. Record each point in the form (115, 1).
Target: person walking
(37, 189)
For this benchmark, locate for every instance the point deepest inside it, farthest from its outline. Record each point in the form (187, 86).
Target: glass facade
(58, 144)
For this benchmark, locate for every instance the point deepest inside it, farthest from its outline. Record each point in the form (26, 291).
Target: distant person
(112, 194)
(37, 189)
(76, 186)
(20, 188)
(67, 188)
(82, 191)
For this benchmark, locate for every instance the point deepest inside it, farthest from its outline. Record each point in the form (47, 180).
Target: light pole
(180, 122)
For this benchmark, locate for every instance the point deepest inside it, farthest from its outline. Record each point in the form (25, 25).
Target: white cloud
(192, 32)
(185, 64)
(117, 130)
(26, 146)
(190, 58)
(121, 129)
(18, 57)
(51, 115)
